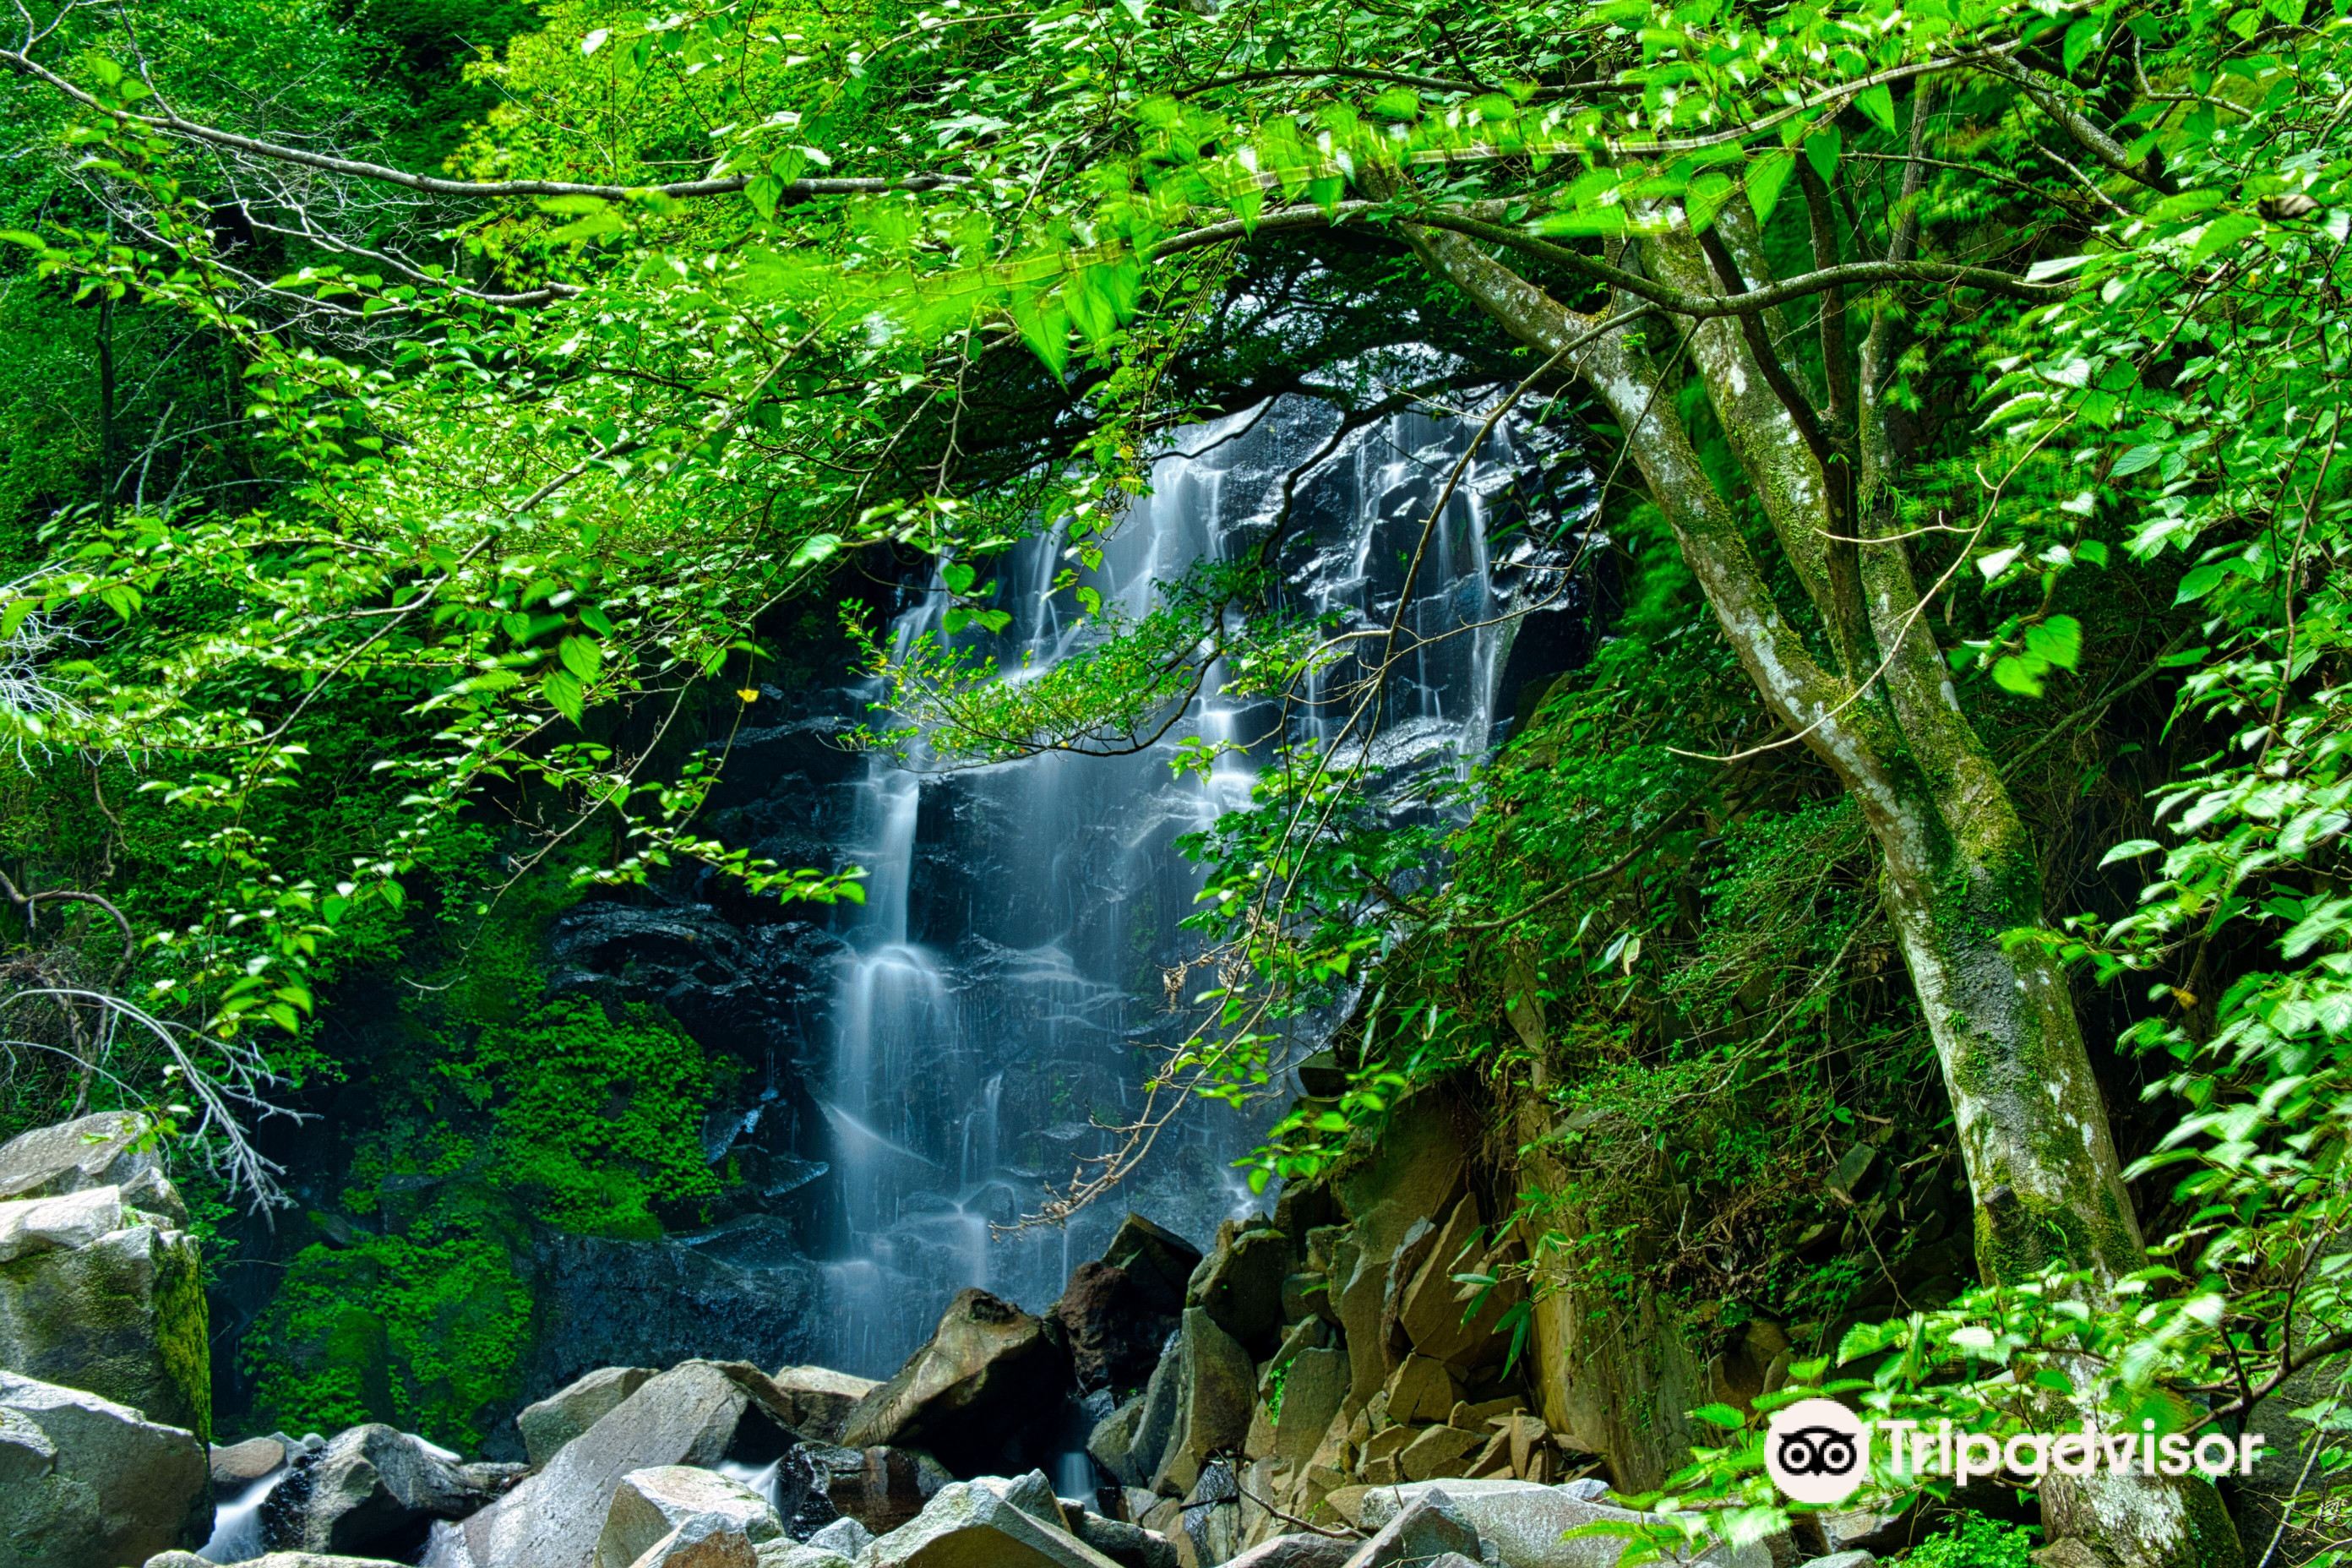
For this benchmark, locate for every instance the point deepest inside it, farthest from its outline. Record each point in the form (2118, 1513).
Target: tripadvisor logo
(1816, 1451)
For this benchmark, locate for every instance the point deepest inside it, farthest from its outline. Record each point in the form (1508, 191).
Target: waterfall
(1000, 995)
(237, 1522)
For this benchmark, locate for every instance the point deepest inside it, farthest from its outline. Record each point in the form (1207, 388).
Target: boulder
(968, 1526)
(1848, 1559)
(1143, 1246)
(1115, 1321)
(680, 1549)
(671, 1507)
(1298, 1551)
(881, 1489)
(1211, 1532)
(562, 1416)
(1437, 1451)
(818, 1400)
(1427, 1309)
(1215, 1391)
(88, 1483)
(240, 1464)
(1426, 1527)
(845, 1536)
(1112, 1444)
(101, 1288)
(1524, 1522)
(1129, 1546)
(697, 1413)
(1421, 1390)
(793, 1555)
(273, 1559)
(1239, 1285)
(372, 1491)
(112, 1149)
(989, 1374)
(1031, 1492)
(1312, 1392)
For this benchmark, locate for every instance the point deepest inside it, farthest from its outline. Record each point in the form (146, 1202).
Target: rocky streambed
(1314, 1391)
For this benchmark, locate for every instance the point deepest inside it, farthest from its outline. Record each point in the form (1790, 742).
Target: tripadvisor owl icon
(1816, 1451)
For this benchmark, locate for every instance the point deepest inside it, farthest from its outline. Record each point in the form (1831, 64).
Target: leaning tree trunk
(1958, 869)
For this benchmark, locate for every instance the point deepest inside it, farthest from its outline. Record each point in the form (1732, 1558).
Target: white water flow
(236, 1523)
(1002, 998)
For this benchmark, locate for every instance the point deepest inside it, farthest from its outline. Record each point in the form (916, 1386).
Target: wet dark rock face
(741, 1291)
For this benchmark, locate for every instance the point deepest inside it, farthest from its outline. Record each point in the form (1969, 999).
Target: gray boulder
(1847, 1559)
(1298, 1551)
(968, 1526)
(1524, 1522)
(881, 1489)
(114, 1149)
(240, 1464)
(1112, 1444)
(819, 1399)
(88, 1483)
(1213, 1394)
(794, 1554)
(697, 1413)
(990, 1374)
(570, 1410)
(674, 1506)
(371, 1491)
(101, 1288)
(845, 1536)
(1426, 1527)
(1129, 1546)
(273, 1559)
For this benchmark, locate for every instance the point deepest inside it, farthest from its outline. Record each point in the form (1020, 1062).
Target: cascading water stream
(1000, 995)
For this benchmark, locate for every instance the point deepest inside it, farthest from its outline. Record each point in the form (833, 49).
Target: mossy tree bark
(1855, 672)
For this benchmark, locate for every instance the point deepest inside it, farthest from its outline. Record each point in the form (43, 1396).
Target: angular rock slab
(273, 1559)
(971, 1393)
(1427, 1527)
(1298, 1551)
(1524, 1521)
(109, 1150)
(659, 1513)
(88, 1483)
(968, 1526)
(688, 1416)
(100, 1293)
(570, 1410)
(818, 1400)
(372, 1491)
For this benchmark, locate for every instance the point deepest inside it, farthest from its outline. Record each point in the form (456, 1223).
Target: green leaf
(2022, 676)
(581, 655)
(12, 619)
(2136, 460)
(2081, 40)
(1822, 150)
(565, 694)
(1765, 176)
(1877, 102)
(1722, 1416)
(2224, 232)
(1705, 199)
(816, 548)
(2058, 640)
(2198, 582)
(957, 576)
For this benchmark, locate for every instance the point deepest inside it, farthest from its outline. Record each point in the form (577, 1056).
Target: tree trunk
(1958, 869)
